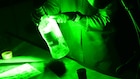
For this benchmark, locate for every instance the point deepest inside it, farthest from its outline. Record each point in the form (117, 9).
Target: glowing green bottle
(51, 33)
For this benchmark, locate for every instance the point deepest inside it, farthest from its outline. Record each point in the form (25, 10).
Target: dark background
(16, 25)
(126, 40)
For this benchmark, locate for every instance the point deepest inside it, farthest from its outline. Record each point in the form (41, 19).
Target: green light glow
(73, 66)
(84, 37)
(52, 35)
(91, 2)
(24, 71)
(7, 55)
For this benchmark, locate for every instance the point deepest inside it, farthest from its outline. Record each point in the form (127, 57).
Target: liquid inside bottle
(54, 39)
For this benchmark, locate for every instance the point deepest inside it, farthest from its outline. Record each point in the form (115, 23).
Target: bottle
(82, 73)
(52, 35)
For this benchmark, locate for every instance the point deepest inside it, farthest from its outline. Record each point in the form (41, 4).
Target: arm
(95, 22)
(49, 7)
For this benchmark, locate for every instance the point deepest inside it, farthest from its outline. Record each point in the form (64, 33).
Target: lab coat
(85, 37)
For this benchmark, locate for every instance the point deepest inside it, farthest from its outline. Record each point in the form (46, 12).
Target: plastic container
(53, 37)
(7, 55)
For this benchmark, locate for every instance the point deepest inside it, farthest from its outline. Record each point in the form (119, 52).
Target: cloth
(85, 36)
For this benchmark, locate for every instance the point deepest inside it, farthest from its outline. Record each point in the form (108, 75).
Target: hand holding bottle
(52, 35)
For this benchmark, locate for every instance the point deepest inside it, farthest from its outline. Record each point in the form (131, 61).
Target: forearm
(50, 7)
(97, 21)
(94, 22)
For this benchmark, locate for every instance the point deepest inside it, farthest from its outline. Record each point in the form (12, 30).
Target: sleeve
(99, 20)
(49, 7)
(92, 22)
(95, 22)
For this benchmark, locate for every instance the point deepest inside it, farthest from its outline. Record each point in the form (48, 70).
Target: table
(27, 54)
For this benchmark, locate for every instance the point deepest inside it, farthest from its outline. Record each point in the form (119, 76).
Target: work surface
(35, 59)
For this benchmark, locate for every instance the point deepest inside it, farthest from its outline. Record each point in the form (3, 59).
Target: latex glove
(43, 22)
(60, 18)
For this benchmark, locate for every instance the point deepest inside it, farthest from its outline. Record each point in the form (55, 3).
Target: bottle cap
(7, 55)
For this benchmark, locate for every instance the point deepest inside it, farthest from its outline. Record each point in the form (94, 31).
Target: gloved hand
(60, 18)
(64, 17)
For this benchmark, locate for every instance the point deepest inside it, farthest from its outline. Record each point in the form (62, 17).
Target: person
(83, 24)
